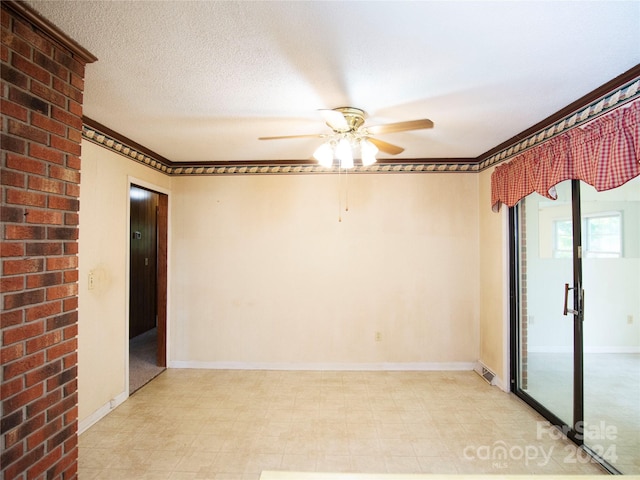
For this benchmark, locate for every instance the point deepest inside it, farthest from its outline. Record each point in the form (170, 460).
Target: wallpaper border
(596, 109)
(94, 135)
(614, 99)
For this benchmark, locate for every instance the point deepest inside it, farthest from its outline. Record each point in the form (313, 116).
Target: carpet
(142, 359)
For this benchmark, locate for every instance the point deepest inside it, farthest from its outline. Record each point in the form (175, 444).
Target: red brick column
(41, 104)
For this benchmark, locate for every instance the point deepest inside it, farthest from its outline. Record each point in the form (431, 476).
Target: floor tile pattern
(233, 424)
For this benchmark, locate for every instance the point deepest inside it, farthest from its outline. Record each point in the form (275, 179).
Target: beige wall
(493, 274)
(103, 250)
(263, 274)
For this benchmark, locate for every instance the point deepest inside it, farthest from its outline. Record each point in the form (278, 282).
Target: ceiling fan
(348, 130)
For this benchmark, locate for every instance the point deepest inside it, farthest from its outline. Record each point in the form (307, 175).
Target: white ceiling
(202, 80)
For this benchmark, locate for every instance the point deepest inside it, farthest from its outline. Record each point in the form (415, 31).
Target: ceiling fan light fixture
(324, 155)
(344, 153)
(367, 152)
(350, 133)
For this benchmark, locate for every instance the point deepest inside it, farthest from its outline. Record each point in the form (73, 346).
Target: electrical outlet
(92, 281)
(378, 336)
(629, 319)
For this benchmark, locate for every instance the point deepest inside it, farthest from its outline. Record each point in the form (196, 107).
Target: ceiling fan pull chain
(339, 195)
(346, 190)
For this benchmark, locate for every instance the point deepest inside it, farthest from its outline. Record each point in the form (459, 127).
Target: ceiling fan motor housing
(353, 116)
(347, 123)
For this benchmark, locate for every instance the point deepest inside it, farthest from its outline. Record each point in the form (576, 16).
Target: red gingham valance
(605, 153)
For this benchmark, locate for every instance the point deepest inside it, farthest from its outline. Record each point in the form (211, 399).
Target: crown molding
(119, 144)
(427, 166)
(582, 111)
(111, 140)
(615, 93)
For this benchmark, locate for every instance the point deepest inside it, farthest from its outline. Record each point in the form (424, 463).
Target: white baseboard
(612, 349)
(587, 349)
(88, 422)
(417, 366)
(498, 382)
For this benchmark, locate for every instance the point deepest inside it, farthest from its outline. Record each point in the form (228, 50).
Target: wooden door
(143, 261)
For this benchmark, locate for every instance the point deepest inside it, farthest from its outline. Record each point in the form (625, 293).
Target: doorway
(576, 316)
(147, 285)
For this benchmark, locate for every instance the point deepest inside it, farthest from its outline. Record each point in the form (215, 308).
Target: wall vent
(485, 373)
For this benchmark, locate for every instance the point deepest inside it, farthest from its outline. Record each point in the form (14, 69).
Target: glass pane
(603, 235)
(611, 277)
(564, 239)
(546, 335)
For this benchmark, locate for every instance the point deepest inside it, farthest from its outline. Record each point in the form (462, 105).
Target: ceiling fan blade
(386, 147)
(400, 126)
(335, 119)
(317, 135)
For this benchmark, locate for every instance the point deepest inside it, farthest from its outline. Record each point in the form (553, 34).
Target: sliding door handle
(566, 309)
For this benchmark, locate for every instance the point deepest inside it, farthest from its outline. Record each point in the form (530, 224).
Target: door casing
(161, 261)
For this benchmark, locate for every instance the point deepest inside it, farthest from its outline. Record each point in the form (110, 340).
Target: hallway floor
(142, 359)
(221, 424)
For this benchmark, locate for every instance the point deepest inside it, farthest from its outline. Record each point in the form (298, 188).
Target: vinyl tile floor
(234, 424)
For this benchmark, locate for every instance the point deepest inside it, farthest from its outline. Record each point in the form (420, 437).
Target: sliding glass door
(546, 334)
(577, 332)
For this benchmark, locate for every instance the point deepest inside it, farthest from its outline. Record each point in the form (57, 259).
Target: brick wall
(41, 103)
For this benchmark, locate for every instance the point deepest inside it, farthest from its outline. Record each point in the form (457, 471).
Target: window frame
(587, 252)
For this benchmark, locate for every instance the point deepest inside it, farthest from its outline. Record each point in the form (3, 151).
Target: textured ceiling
(202, 80)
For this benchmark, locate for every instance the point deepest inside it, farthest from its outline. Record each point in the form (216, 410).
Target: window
(563, 242)
(602, 236)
